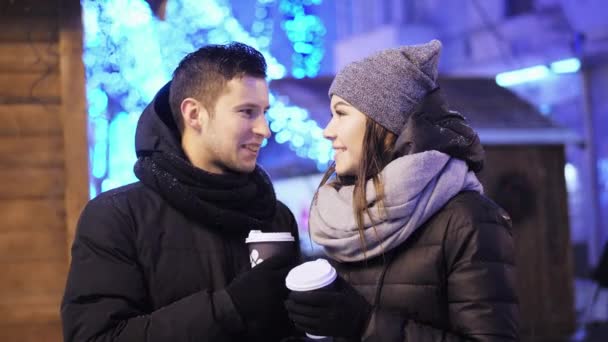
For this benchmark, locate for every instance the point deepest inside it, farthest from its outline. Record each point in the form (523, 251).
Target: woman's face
(346, 130)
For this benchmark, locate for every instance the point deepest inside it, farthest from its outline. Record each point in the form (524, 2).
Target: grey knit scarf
(416, 186)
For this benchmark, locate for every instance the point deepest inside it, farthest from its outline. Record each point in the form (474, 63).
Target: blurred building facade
(489, 37)
(481, 38)
(485, 38)
(42, 106)
(558, 47)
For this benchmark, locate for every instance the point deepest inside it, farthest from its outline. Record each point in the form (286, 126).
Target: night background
(530, 75)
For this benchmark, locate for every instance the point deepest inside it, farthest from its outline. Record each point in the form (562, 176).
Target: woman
(421, 253)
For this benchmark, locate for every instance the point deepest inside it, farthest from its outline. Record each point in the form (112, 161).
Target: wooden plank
(31, 332)
(33, 245)
(28, 56)
(529, 251)
(556, 238)
(74, 114)
(37, 151)
(32, 183)
(41, 309)
(30, 280)
(31, 290)
(541, 238)
(32, 85)
(34, 215)
(26, 100)
(44, 8)
(16, 28)
(30, 119)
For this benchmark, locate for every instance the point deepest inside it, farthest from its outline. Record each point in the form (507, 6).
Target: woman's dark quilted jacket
(453, 280)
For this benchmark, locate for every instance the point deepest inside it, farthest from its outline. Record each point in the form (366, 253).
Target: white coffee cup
(265, 245)
(310, 276)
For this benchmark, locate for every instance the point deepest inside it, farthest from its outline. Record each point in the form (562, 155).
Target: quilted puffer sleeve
(479, 256)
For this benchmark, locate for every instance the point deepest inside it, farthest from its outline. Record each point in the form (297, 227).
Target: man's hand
(259, 296)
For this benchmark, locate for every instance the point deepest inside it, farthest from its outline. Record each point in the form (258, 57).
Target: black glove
(340, 311)
(259, 294)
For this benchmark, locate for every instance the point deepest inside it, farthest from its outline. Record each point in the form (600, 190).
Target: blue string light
(306, 32)
(262, 28)
(537, 72)
(129, 54)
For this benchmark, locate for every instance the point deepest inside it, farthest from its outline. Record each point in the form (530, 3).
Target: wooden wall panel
(32, 278)
(40, 244)
(542, 236)
(33, 242)
(37, 151)
(39, 309)
(30, 119)
(74, 115)
(30, 8)
(30, 87)
(28, 332)
(33, 214)
(28, 56)
(29, 282)
(32, 183)
(23, 28)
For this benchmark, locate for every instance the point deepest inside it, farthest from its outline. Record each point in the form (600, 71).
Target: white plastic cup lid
(259, 236)
(310, 276)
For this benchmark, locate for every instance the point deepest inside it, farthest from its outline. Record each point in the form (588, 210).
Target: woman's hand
(337, 311)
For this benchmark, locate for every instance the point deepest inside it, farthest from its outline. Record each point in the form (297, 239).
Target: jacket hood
(156, 128)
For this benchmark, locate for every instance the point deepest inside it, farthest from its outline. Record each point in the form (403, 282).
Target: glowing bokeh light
(129, 54)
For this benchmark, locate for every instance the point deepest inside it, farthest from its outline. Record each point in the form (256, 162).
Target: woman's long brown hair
(378, 143)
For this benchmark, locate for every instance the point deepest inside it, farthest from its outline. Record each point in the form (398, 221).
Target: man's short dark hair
(203, 74)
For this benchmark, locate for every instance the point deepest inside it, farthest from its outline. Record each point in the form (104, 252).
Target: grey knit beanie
(388, 85)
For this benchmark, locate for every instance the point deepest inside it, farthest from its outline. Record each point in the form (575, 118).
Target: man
(164, 259)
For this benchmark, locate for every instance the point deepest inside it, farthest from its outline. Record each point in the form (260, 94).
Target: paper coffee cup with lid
(311, 276)
(264, 245)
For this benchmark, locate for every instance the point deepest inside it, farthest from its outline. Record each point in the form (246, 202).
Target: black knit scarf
(233, 203)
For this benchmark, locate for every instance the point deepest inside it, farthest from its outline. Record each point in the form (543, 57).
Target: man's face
(232, 135)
